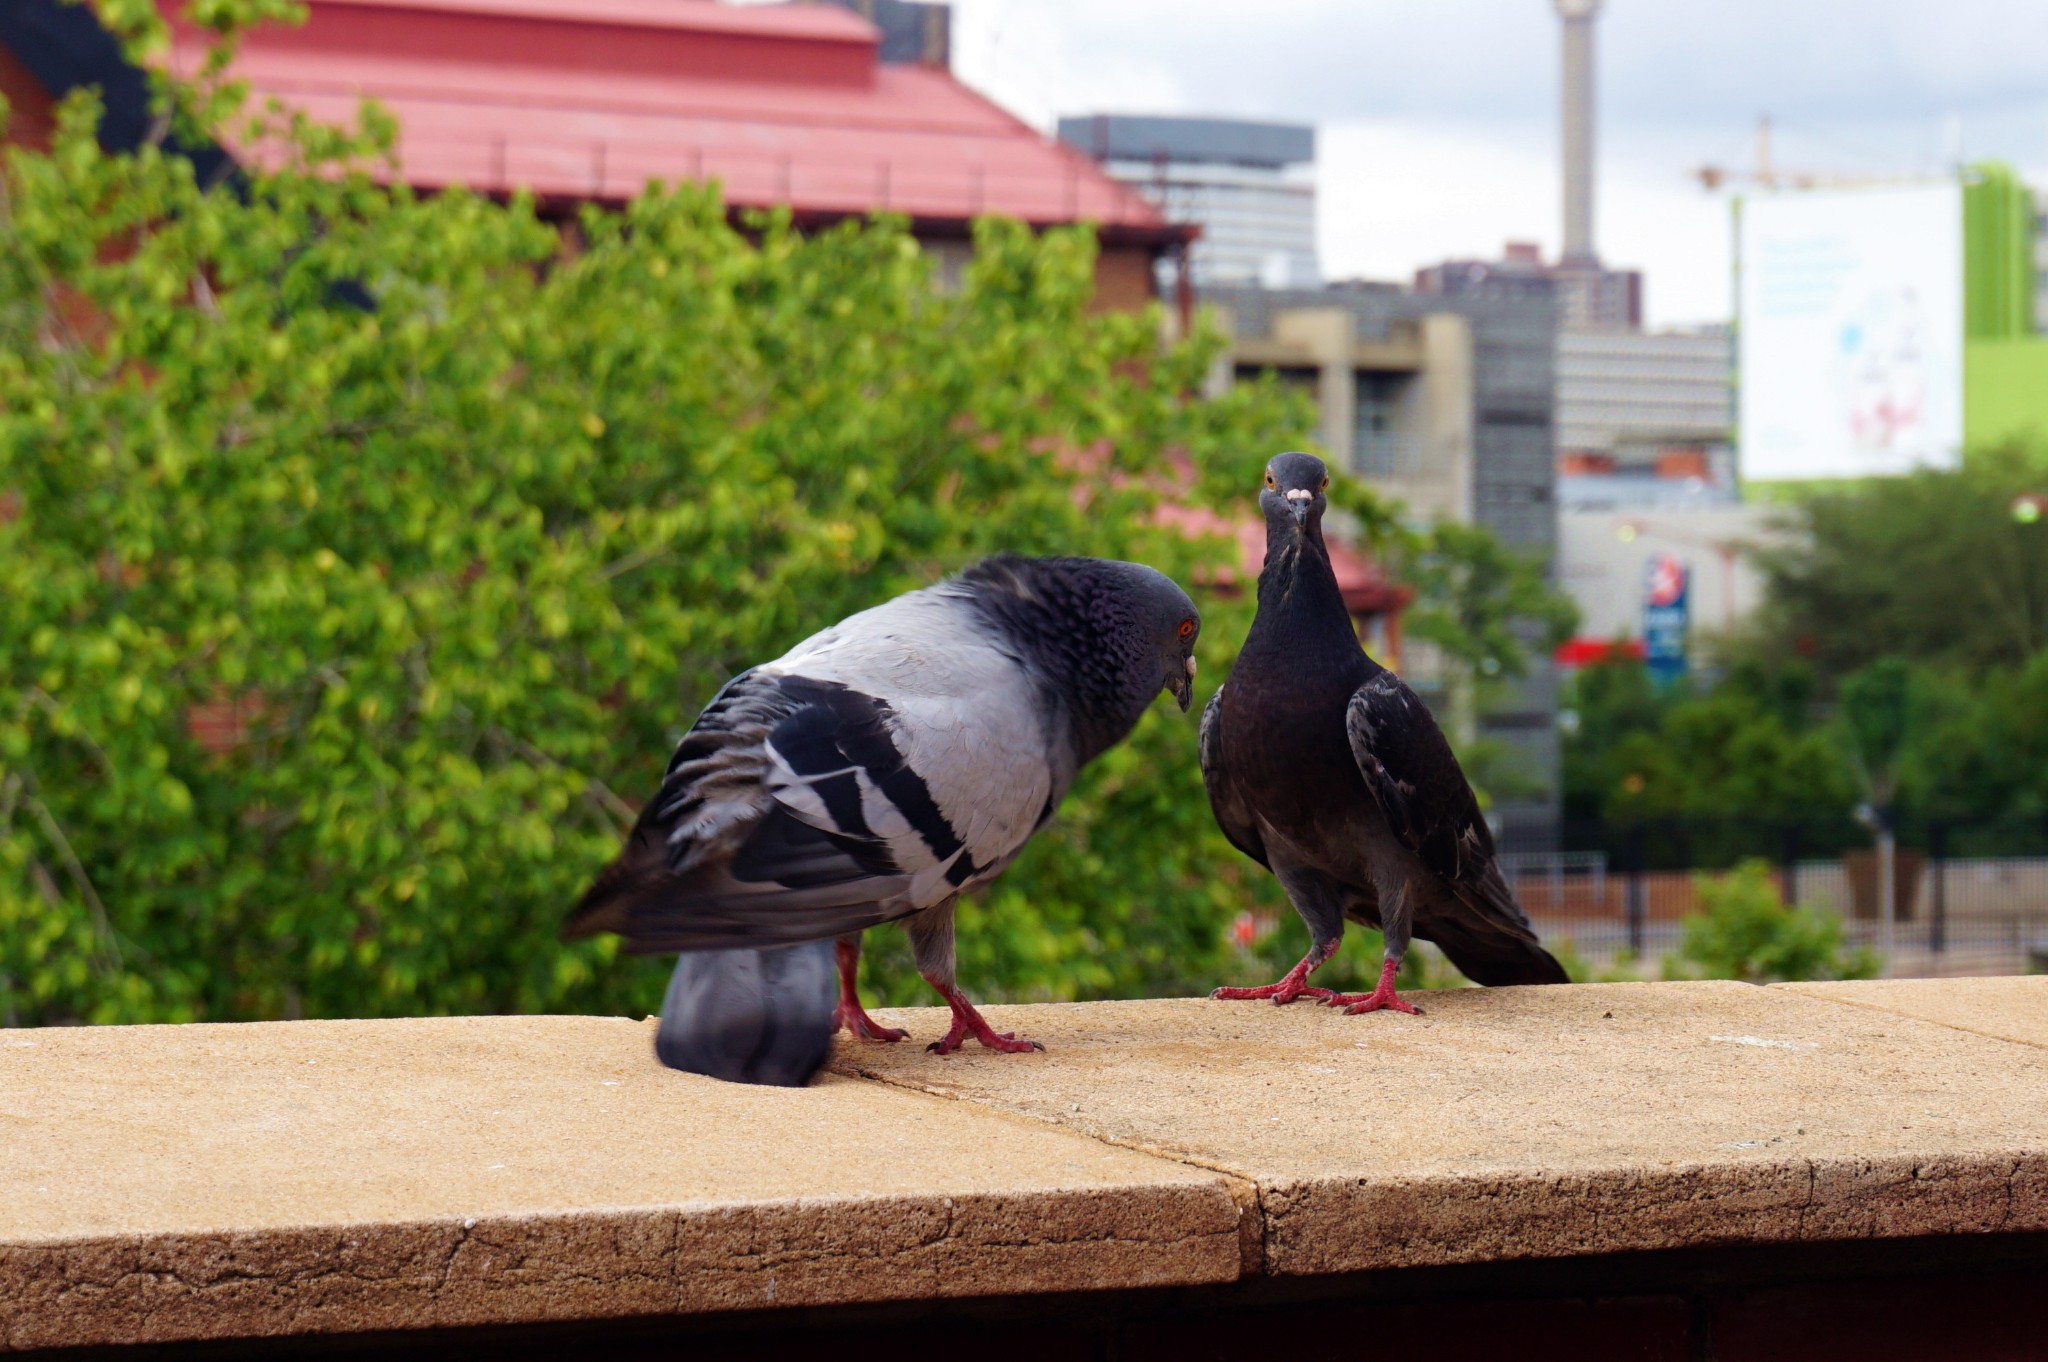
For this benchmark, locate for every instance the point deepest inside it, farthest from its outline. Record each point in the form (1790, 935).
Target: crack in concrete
(1244, 1190)
(1942, 1022)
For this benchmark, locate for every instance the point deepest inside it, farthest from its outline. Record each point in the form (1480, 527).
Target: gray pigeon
(1326, 768)
(877, 771)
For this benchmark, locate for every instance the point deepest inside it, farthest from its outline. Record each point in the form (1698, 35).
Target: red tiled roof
(590, 99)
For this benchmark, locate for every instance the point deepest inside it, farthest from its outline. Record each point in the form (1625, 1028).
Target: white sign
(1850, 331)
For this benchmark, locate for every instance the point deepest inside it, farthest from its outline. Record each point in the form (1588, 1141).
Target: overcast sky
(1439, 117)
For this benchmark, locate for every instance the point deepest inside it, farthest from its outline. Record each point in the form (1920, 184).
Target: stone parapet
(277, 1180)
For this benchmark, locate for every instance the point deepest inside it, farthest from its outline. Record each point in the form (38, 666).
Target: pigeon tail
(1493, 959)
(751, 1016)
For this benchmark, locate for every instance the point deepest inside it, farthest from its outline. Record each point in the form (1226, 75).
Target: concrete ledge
(1515, 1123)
(257, 1182)
(162, 1183)
(2010, 1008)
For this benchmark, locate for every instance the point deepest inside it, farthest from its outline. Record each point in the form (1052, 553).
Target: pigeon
(1324, 767)
(875, 772)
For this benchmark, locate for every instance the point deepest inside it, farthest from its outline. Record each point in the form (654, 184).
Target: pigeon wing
(1233, 814)
(717, 859)
(1415, 779)
(801, 807)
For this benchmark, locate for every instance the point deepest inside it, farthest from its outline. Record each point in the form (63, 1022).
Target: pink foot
(1294, 984)
(1380, 998)
(850, 1013)
(867, 1028)
(968, 1022)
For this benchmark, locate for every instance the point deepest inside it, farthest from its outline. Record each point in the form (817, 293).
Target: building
(1645, 405)
(912, 30)
(581, 101)
(1250, 187)
(2041, 261)
(1446, 404)
(1604, 553)
(1589, 296)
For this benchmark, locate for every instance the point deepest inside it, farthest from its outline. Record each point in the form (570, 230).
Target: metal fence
(1970, 896)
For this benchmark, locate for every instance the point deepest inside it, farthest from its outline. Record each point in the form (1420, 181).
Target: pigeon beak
(1300, 509)
(1181, 686)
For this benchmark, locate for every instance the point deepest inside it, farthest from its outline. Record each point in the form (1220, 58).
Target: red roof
(1365, 588)
(590, 99)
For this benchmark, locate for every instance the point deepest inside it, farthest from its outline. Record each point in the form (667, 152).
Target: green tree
(1746, 747)
(1934, 565)
(337, 643)
(1978, 748)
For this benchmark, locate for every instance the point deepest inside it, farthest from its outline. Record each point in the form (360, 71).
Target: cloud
(1821, 61)
(1440, 119)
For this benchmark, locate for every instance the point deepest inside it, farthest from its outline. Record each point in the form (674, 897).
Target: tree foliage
(337, 641)
(1901, 657)
(1750, 746)
(1933, 565)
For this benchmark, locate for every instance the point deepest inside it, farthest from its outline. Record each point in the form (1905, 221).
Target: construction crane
(1769, 175)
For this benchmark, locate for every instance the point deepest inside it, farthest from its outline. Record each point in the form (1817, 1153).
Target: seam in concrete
(1254, 1224)
(1942, 1022)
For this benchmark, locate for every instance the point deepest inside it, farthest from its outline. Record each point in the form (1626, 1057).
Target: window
(1383, 436)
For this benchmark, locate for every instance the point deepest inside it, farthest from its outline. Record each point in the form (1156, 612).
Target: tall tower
(1578, 16)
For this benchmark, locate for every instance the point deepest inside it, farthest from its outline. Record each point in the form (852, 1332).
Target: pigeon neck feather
(1300, 605)
(1072, 623)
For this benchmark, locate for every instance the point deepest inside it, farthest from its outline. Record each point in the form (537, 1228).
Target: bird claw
(1382, 998)
(865, 1027)
(969, 1022)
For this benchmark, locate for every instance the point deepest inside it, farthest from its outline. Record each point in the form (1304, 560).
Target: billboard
(1850, 331)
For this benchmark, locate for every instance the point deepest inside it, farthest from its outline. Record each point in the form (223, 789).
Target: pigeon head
(1107, 637)
(1294, 492)
(1164, 628)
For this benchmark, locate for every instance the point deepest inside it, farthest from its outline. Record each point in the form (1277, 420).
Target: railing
(619, 167)
(1969, 895)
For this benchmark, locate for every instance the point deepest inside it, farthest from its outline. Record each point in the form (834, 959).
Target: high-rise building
(1249, 186)
(915, 31)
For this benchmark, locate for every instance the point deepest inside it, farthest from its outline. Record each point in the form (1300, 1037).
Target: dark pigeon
(1324, 767)
(875, 772)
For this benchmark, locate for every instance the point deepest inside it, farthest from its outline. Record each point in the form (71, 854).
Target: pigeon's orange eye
(1269, 479)
(1324, 485)
(1187, 628)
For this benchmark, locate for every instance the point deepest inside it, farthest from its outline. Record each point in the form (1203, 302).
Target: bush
(1748, 933)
